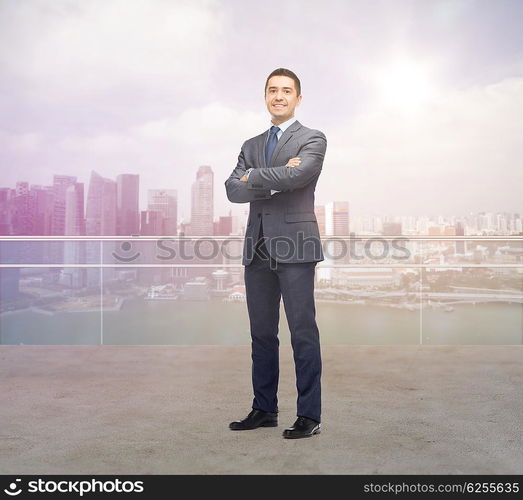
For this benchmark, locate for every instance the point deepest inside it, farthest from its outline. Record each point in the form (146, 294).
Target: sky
(421, 101)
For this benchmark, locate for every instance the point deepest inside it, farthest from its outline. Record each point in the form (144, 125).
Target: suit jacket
(290, 227)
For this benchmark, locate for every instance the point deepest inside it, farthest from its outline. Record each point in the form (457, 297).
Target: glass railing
(370, 289)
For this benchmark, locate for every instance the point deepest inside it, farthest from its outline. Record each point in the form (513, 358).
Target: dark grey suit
(289, 222)
(281, 250)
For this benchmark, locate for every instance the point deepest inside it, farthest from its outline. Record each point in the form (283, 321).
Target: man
(277, 173)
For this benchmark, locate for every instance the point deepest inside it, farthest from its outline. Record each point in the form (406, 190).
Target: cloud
(160, 87)
(167, 151)
(212, 125)
(194, 133)
(461, 150)
(458, 153)
(63, 50)
(28, 142)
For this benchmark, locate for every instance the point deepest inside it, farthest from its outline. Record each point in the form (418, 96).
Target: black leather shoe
(255, 419)
(303, 428)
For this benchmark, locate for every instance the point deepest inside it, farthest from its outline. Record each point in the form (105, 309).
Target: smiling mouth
(278, 105)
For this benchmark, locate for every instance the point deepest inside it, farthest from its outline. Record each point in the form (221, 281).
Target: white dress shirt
(283, 127)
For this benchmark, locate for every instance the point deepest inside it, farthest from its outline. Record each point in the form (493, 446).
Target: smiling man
(277, 172)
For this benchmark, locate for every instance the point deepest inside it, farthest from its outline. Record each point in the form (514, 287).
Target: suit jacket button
(259, 215)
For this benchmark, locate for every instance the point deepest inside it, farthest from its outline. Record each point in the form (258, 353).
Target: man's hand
(245, 178)
(293, 162)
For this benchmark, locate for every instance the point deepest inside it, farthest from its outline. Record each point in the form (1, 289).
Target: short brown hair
(284, 72)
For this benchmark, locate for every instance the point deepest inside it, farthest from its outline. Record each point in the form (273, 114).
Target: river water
(216, 322)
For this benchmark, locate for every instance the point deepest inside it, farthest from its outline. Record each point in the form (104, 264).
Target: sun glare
(404, 85)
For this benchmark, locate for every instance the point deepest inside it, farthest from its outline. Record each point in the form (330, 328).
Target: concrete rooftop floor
(166, 410)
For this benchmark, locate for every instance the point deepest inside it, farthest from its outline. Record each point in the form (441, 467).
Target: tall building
(151, 223)
(74, 251)
(42, 215)
(202, 203)
(9, 277)
(22, 188)
(223, 227)
(23, 224)
(127, 198)
(5, 211)
(319, 210)
(391, 228)
(337, 218)
(100, 220)
(460, 231)
(59, 188)
(518, 224)
(22, 220)
(100, 214)
(165, 201)
(60, 185)
(74, 210)
(43, 199)
(336, 224)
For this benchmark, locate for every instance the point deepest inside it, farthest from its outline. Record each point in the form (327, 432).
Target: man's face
(281, 98)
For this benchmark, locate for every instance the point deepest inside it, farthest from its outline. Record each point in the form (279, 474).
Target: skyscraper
(22, 222)
(223, 227)
(165, 201)
(151, 223)
(202, 202)
(319, 210)
(101, 206)
(128, 212)
(460, 231)
(22, 188)
(60, 185)
(74, 210)
(337, 218)
(9, 277)
(100, 221)
(336, 224)
(5, 211)
(74, 251)
(59, 188)
(43, 199)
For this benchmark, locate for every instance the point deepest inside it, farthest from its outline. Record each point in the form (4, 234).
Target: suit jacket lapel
(261, 149)
(283, 139)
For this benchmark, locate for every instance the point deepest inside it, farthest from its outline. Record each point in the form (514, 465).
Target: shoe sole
(266, 424)
(317, 431)
(269, 424)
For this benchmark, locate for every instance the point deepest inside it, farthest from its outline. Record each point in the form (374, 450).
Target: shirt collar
(285, 125)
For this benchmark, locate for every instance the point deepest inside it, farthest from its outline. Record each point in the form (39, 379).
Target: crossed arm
(297, 173)
(237, 191)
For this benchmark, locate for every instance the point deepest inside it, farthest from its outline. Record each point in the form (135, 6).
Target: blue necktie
(271, 144)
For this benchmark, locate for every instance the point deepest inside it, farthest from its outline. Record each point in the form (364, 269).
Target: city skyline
(421, 102)
(112, 208)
